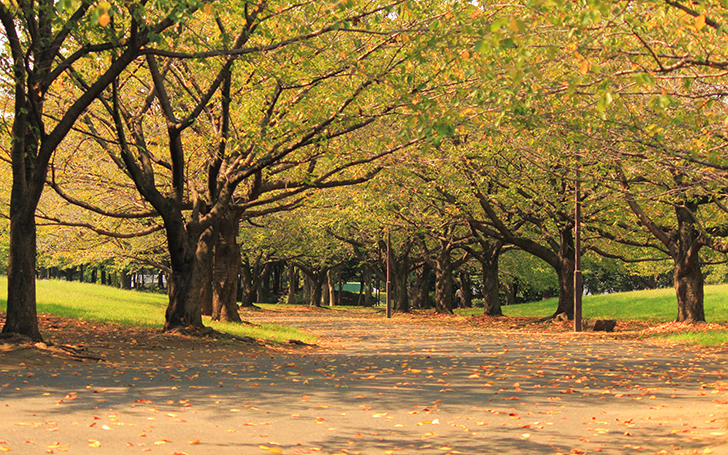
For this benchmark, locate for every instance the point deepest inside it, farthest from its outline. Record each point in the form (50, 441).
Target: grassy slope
(94, 302)
(657, 306)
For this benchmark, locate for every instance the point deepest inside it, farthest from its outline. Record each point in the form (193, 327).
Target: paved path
(392, 387)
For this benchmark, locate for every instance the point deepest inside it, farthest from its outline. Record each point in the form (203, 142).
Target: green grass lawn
(655, 306)
(95, 302)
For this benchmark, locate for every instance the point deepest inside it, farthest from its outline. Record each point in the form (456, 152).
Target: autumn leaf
(700, 22)
(584, 68)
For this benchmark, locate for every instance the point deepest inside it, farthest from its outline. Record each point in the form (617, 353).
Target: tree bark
(225, 272)
(491, 299)
(330, 287)
(443, 282)
(206, 258)
(466, 289)
(566, 288)
(292, 284)
(22, 316)
(688, 274)
(401, 296)
(184, 284)
(367, 280)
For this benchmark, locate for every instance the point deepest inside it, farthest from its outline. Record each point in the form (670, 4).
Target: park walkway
(383, 387)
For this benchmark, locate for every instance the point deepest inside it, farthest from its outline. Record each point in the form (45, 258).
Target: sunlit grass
(708, 338)
(658, 305)
(98, 303)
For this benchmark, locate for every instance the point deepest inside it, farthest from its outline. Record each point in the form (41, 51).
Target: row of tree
(478, 119)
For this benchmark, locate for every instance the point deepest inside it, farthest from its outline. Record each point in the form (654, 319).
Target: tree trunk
(330, 287)
(566, 288)
(183, 290)
(510, 289)
(400, 296)
(443, 282)
(689, 290)
(246, 282)
(22, 316)
(292, 284)
(466, 290)
(316, 290)
(491, 300)
(307, 289)
(225, 272)
(124, 280)
(276, 274)
(184, 284)
(205, 256)
(366, 277)
(421, 288)
(688, 274)
(263, 287)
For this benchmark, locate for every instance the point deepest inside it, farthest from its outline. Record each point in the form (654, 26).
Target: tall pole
(389, 279)
(578, 288)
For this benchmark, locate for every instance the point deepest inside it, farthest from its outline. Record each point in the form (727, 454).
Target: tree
(259, 158)
(47, 41)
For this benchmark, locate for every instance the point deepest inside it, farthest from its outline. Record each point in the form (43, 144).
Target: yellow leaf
(584, 68)
(208, 9)
(194, 441)
(94, 443)
(104, 19)
(275, 450)
(700, 22)
(4, 449)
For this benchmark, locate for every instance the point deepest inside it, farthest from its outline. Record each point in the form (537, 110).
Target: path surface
(387, 387)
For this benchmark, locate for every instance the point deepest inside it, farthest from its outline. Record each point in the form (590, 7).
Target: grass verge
(658, 305)
(97, 303)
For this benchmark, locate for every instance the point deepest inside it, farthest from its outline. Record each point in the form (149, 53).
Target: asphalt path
(383, 387)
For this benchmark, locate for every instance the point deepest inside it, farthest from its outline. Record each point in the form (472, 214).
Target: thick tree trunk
(689, 289)
(466, 290)
(183, 289)
(247, 286)
(688, 274)
(225, 272)
(491, 299)
(307, 288)
(421, 292)
(400, 296)
(184, 285)
(21, 316)
(316, 290)
(566, 288)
